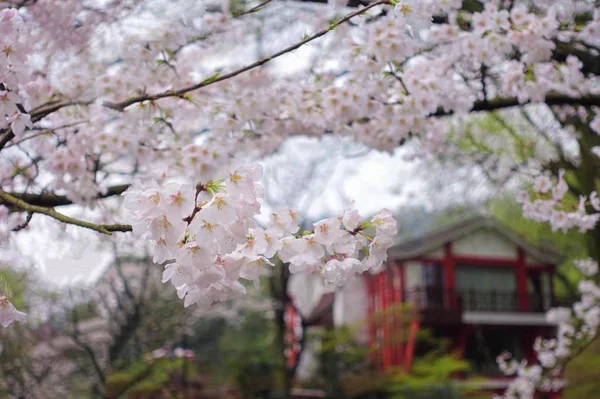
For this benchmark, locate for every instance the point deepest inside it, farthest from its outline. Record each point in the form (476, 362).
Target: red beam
(479, 260)
(449, 276)
(485, 260)
(433, 261)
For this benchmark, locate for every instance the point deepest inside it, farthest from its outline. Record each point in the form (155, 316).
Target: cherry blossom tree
(147, 99)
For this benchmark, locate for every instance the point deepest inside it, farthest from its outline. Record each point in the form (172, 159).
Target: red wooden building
(476, 283)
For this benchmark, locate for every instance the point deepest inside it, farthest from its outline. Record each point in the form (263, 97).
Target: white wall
(309, 361)
(351, 307)
(306, 291)
(413, 275)
(437, 253)
(485, 243)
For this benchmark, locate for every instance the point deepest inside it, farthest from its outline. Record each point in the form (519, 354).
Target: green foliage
(431, 372)
(211, 78)
(250, 358)
(491, 134)
(145, 379)
(12, 285)
(84, 311)
(582, 374)
(344, 369)
(430, 376)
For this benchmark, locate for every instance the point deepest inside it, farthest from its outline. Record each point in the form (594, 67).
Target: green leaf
(211, 78)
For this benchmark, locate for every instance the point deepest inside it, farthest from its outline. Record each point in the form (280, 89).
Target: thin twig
(254, 9)
(37, 115)
(25, 223)
(44, 132)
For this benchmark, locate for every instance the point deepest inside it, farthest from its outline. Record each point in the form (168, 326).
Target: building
(476, 283)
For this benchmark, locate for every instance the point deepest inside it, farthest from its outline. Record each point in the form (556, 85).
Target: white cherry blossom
(9, 314)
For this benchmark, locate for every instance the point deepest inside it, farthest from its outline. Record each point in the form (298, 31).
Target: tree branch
(87, 349)
(38, 114)
(101, 228)
(52, 200)
(551, 99)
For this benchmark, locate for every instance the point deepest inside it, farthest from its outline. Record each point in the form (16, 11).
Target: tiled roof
(404, 249)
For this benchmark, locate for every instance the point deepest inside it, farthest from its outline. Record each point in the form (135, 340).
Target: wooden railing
(479, 300)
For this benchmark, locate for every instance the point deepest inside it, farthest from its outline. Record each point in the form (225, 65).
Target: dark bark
(52, 200)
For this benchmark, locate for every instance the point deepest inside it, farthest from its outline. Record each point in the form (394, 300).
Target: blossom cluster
(14, 72)
(394, 80)
(209, 241)
(550, 205)
(576, 328)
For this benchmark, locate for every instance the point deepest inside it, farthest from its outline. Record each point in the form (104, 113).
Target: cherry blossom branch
(219, 78)
(44, 110)
(101, 228)
(53, 200)
(38, 114)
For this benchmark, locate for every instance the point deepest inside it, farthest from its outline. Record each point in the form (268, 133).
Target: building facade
(477, 284)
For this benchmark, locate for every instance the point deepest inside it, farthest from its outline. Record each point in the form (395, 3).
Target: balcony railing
(478, 300)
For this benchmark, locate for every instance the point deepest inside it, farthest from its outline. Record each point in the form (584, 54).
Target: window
(433, 295)
(486, 288)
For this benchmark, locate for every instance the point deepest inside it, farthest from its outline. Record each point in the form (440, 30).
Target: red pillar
(386, 327)
(395, 314)
(400, 338)
(521, 276)
(371, 310)
(449, 276)
(291, 320)
(380, 289)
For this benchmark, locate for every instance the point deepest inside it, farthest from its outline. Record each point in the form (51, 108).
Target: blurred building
(475, 283)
